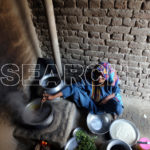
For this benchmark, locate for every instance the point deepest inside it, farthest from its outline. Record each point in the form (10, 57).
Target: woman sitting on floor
(100, 95)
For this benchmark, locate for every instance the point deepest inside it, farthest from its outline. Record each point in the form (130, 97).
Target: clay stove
(58, 132)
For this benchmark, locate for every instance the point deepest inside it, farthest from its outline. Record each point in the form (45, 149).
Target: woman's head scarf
(108, 73)
(110, 76)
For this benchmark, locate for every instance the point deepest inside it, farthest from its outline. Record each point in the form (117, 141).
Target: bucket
(116, 145)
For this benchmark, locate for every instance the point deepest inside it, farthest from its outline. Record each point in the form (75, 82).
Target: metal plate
(112, 128)
(99, 124)
(71, 144)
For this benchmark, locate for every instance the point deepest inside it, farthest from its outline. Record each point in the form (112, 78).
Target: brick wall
(117, 31)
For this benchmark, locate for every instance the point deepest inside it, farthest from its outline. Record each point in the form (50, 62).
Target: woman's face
(101, 79)
(98, 76)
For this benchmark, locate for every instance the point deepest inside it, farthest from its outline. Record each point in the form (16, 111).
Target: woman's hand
(106, 99)
(51, 97)
(102, 102)
(47, 97)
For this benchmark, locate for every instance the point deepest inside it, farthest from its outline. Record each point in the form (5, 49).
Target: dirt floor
(136, 110)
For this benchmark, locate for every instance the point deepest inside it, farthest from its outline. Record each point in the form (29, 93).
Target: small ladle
(41, 103)
(41, 106)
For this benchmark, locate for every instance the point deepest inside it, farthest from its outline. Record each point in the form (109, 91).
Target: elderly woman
(101, 94)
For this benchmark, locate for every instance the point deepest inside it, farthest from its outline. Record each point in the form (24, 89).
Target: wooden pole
(53, 33)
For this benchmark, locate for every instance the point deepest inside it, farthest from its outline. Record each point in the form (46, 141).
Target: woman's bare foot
(115, 116)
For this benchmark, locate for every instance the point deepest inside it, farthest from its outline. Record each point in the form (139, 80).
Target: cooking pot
(52, 84)
(37, 116)
(116, 145)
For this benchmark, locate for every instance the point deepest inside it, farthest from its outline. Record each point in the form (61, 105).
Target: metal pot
(34, 115)
(116, 145)
(52, 84)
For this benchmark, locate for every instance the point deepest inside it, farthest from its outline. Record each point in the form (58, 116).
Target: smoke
(13, 104)
(11, 100)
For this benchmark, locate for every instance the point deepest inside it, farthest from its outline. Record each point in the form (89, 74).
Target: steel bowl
(71, 144)
(115, 125)
(52, 84)
(37, 116)
(99, 123)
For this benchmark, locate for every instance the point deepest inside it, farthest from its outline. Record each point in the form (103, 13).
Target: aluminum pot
(52, 84)
(37, 116)
(116, 145)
